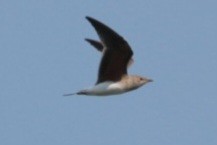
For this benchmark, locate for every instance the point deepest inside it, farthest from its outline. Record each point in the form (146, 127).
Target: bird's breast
(106, 88)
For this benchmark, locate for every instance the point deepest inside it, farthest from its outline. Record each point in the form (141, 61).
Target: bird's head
(134, 82)
(140, 81)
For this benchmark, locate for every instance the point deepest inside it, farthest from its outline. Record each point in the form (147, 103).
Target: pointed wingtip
(88, 18)
(93, 21)
(98, 45)
(87, 39)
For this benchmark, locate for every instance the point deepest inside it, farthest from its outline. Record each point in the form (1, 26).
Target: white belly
(106, 88)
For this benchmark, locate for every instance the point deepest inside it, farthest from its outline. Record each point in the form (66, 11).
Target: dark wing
(116, 56)
(98, 45)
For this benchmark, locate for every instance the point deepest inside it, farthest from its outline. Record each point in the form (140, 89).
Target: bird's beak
(150, 80)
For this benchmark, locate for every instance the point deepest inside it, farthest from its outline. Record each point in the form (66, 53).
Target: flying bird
(117, 55)
(99, 46)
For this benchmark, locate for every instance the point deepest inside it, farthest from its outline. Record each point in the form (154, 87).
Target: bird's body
(127, 83)
(117, 56)
(103, 89)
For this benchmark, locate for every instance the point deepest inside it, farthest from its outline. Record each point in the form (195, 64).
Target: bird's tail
(71, 94)
(82, 92)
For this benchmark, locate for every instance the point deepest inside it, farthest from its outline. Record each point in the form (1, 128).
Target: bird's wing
(117, 53)
(96, 44)
(99, 46)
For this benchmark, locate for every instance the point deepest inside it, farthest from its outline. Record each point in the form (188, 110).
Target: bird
(99, 46)
(113, 78)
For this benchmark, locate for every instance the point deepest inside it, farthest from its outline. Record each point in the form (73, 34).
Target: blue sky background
(43, 55)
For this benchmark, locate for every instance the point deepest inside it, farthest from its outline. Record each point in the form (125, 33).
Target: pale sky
(43, 55)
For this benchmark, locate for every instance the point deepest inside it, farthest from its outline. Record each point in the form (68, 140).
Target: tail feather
(71, 94)
(82, 92)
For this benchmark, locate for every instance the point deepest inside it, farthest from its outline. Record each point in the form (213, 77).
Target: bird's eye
(141, 79)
